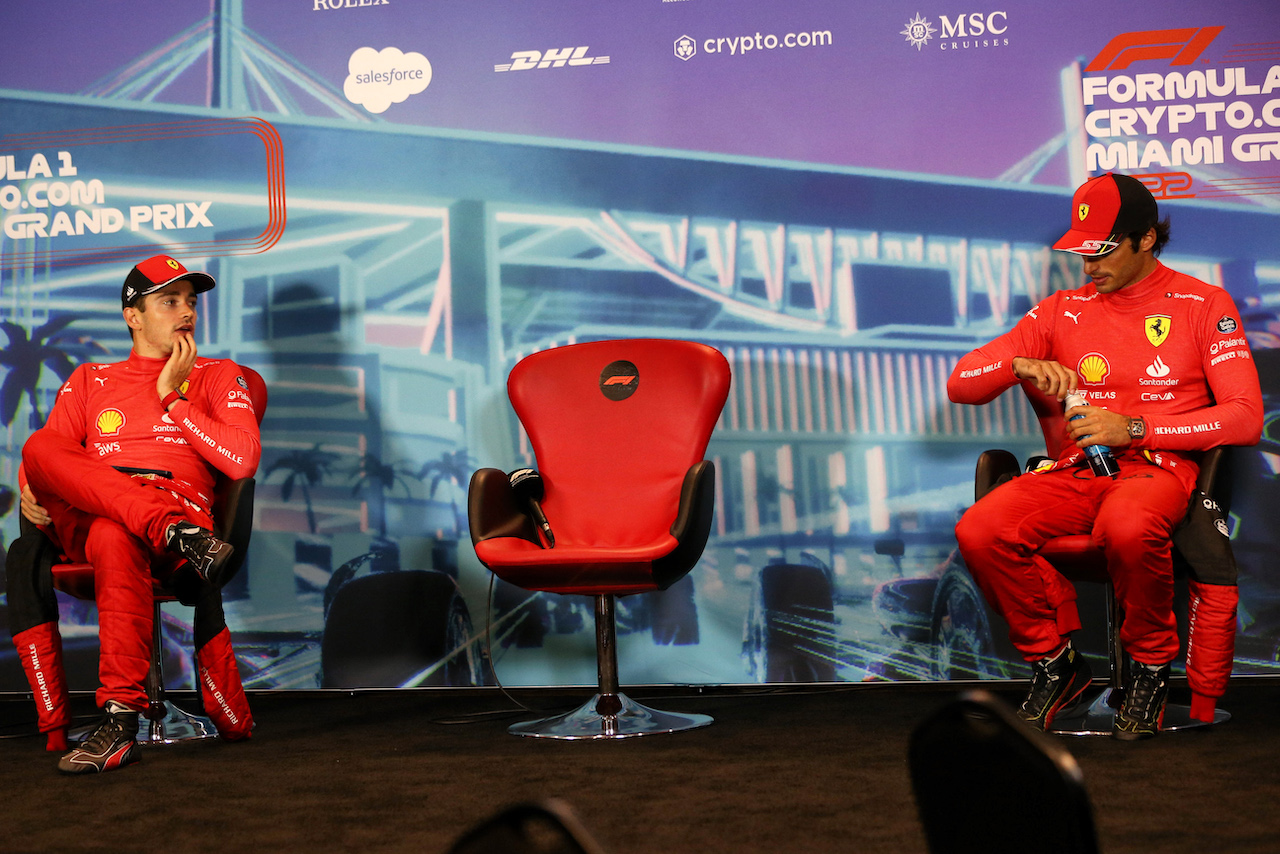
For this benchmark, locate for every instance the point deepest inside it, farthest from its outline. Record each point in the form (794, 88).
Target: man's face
(1122, 266)
(161, 318)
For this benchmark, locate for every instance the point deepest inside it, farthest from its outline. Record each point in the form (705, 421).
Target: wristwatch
(1137, 428)
(174, 396)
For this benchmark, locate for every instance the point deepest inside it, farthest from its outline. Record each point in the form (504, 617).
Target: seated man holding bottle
(1165, 372)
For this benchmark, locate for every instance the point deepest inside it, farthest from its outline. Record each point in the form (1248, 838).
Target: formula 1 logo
(619, 380)
(1182, 46)
(529, 60)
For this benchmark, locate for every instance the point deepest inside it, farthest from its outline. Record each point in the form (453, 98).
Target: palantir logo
(686, 48)
(918, 31)
(528, 60)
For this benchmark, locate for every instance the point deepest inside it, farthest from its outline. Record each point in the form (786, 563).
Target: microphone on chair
(527, 486)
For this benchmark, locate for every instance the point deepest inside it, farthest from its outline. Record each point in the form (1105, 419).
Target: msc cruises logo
(918, 31)
(959, 32)
(529, 60)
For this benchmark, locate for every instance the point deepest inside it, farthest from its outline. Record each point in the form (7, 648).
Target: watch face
(1137, 428)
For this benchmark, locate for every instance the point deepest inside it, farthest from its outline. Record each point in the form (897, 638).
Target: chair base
(173, 726)
(609, 716)
(1097, 717)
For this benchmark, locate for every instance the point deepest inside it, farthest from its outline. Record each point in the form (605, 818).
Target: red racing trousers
(116, 523)
(1131, 518)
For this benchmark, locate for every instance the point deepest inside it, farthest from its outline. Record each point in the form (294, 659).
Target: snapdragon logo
(377, 79)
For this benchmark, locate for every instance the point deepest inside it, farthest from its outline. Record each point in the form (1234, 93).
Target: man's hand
(1052, 378)
(178, 368)
(31, 509)
(1102, 426)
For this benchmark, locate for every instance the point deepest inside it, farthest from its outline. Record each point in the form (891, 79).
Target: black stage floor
(788, 769)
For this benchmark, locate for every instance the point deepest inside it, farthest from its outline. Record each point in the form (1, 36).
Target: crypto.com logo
(686, 48)
(527, 60)
(1183, 46)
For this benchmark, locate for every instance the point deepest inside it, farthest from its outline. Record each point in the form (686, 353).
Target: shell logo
(109, 422)
(1094, 368)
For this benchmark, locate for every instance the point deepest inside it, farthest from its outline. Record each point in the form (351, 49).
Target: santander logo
(1158, 369)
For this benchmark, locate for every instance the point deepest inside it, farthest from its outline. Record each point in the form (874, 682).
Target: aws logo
(619, 380)
(1094, 368)
(1183, 46)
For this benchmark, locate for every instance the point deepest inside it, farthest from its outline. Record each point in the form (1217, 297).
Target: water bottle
(1100, 457)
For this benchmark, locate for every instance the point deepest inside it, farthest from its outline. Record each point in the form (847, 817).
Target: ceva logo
(1182, 46)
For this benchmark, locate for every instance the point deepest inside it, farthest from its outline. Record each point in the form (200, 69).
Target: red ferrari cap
(157, 272)
(1104, 210)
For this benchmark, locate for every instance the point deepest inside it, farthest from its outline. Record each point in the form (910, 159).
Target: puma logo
(1075, 317)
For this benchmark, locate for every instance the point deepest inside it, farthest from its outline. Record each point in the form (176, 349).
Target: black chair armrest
(492, 509)
(994, 468)
(692, 525)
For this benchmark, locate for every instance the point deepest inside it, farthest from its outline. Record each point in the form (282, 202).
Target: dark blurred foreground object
(987, 782)
(546, 827)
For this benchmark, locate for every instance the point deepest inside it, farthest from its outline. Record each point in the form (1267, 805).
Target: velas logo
(619, 380)
(1093, 369)
(1157, 327)
(109, 422)
(1182, 46)
(529, 60)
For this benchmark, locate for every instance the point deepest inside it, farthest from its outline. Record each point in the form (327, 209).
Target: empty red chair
(619, 430)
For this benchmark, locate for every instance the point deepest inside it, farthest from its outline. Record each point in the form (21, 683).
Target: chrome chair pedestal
(609, 716)
(610, 713)
(1097, 717)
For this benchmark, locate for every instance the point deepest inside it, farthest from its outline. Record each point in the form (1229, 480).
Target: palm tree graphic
(452, 466)
(306, 469)
(26, 358)
(376, 478)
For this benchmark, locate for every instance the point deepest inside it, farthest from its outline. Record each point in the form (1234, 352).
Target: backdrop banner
(400, 200)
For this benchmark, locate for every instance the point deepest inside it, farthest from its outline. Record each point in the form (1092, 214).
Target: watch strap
(170, 398)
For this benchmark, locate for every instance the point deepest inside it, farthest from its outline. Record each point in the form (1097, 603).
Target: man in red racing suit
(121, 476)
(1166, 372)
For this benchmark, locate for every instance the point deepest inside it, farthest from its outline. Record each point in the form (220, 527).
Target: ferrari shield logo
(1157, 326)
(1082, 212)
